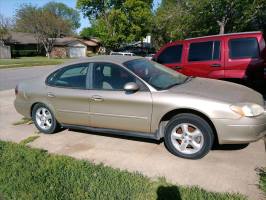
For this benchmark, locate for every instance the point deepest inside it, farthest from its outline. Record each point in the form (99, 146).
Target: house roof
(65, 41)
(91, 43)
(20, 38)
(28, 38)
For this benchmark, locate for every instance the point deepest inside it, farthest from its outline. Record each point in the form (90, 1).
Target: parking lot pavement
(231, 170)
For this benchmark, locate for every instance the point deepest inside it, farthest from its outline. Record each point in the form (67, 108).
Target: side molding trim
(154, 136)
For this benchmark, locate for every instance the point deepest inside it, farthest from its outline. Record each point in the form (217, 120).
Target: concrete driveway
(231, 170)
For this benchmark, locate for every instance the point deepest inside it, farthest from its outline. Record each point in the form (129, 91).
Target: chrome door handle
(177, 67)
(97, 98)
(50, 94)
(215, 65)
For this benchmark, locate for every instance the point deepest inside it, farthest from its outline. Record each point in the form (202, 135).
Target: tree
(4, 27)
(179, 19)
(168, 23)
(118, 21)
(87, 32)
(45, 26)
(64, 12)
(95, 9)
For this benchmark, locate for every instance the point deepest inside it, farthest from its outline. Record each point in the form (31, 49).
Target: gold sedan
(133, 96)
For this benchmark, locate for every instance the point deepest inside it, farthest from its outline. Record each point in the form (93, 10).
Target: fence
(5, 52)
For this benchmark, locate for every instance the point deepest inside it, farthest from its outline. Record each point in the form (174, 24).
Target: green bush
(23, 53)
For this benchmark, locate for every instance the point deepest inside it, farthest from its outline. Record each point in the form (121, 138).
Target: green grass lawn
(262, 174)
(30, 61)
(27, 173)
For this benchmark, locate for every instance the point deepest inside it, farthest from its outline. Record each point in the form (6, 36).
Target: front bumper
(239, 131)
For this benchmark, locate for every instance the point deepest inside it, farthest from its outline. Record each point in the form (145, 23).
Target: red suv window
(243, 48)
(171, 54)
(204, 51)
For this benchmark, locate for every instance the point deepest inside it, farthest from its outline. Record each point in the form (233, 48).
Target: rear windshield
(243, 48)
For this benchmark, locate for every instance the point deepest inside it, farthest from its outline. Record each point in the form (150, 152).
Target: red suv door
(171, 56)
(244, 56)
(204, 58)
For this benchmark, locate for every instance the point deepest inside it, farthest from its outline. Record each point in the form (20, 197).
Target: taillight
(16, 90)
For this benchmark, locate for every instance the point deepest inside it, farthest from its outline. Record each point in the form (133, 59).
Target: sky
(8, 8)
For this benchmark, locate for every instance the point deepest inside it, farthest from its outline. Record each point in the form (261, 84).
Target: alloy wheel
(44, 118)
(187, 138)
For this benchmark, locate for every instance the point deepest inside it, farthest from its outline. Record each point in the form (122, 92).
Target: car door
(243, 58)
(113, 108)
(204, 59)
(67, 93)
(171, 56)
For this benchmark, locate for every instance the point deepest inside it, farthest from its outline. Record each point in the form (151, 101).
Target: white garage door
(76, 52)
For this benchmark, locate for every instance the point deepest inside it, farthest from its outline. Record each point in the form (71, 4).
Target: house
(69, 47)
(25, 44)
(93, 45)
(73, 47)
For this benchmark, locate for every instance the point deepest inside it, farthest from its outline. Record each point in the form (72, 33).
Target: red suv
(228, 56)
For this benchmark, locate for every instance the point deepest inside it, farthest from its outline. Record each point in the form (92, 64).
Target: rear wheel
(44, 119)
(188, 136)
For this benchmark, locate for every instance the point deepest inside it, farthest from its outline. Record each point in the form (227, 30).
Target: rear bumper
(243, 130)
(22, 107)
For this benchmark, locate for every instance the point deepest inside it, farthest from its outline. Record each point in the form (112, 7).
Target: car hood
(219, 90)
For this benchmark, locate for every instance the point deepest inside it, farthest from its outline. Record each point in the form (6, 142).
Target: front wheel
(44, 119)
(188, 136)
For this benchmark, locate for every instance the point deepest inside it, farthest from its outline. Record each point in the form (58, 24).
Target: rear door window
(73, 76)
(204, 51)
(243, 48)
(171, 54)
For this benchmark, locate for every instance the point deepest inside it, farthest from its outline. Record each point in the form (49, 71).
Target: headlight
(247, 109)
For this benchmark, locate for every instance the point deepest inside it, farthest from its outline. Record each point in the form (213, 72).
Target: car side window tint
(73, 76)
(243, 48)
(108, 76)
(171, 54)
(204, 51)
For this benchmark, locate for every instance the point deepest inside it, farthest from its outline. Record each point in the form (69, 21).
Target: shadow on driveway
(119, 136)
(227, 147)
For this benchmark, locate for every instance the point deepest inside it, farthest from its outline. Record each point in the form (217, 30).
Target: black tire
(55, 126)
(201, 124)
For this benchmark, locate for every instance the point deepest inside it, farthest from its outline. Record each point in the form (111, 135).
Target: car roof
(227, 34)
(105, 58)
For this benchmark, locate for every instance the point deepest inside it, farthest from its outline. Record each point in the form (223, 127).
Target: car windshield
(157, 75)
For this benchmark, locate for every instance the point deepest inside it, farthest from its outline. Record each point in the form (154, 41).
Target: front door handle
(50, 94)
(216, 65)
(96, 98)
(177, 67)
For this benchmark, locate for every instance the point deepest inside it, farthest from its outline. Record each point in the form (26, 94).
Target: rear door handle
(216, 65)
(50, 94)
(96, 98)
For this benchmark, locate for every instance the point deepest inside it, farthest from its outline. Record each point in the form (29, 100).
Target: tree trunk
(222, 25)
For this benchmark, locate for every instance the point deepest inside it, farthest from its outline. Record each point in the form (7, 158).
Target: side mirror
(131, 87)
